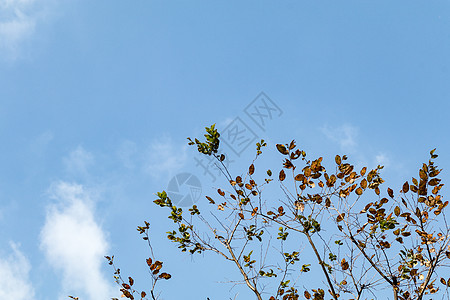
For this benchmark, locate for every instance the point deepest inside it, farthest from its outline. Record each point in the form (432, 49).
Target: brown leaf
(307, 171)
(434, 182)
(307, 295)
(251, 169)
(337, 159)
(165, 276)
(288, 164)
(340, 217)
(423, 175)
(221, 193)
(405, 187)
(390, 192)
(211, 201)
(359, 191)
(299, 177)
(282, 149)
(282, 175)
(220, 207)
(363, 171)
(397, 211)
(254, 211)
(404, 202)
(344, 264)
(363, 183)
(292, 145)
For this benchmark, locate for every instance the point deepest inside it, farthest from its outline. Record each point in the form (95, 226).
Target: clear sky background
(97, 99)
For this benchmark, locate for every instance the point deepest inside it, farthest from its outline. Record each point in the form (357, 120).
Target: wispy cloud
(382, 159)
(18, 22)
(345, 135)
(164, 158)
(14, 270)
(74, 243)
(78, 161)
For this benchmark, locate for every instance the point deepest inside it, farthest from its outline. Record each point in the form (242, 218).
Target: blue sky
(97, 99)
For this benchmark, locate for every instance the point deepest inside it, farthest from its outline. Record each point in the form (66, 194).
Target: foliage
(359, 238)
(155, 266)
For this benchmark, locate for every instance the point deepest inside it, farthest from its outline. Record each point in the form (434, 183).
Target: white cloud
(75, 244)
(18, 22)
(382, 159)
(164, 157)
(345, 135)
(14, 271)
(78, 161)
